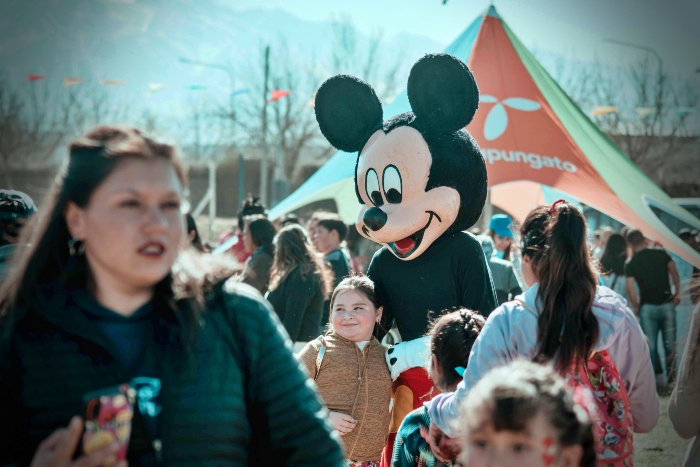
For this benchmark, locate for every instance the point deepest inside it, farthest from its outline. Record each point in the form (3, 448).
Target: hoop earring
(75, 247)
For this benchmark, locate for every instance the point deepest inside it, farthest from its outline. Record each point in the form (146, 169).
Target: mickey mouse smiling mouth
(406, 246)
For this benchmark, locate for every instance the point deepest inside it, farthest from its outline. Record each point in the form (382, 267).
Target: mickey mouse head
(419, 175)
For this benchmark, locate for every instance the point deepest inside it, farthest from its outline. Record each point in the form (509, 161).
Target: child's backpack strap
(319, 357)
(526, 306)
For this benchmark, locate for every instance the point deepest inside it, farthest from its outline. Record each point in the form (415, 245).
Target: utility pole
(263, 160)
(210, 195)
(241, 181)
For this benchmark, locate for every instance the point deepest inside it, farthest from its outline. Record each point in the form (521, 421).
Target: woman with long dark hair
(299, 283)
(612, 264)
(258, 234)
(562, 318)
(193, 235)
(102, 300)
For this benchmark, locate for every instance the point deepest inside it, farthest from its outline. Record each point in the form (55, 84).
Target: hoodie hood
(609, 309)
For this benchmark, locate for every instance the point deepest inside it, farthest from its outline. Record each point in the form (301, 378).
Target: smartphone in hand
(108, 415)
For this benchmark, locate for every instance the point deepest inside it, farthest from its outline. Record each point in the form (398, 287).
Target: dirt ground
(662, 447)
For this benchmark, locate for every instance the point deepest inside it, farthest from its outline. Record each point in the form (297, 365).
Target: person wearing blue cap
(502, 235)
(15, 210)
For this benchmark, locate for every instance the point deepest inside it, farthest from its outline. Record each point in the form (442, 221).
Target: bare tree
(663, 129)
(12, 131)
(653, 123)
(291, 124)
(36, 120)
(204, 132)
(30, 128)
(368, 63)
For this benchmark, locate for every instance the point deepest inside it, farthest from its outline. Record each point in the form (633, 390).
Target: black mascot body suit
(421, 180)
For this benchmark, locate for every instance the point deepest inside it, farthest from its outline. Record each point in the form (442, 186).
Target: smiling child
(350, 370)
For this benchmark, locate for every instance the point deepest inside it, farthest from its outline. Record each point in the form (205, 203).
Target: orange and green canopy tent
(528, 129)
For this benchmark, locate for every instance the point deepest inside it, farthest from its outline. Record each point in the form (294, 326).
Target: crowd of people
(268, 353)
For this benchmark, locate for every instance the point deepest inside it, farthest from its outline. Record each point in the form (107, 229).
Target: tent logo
(497, 118)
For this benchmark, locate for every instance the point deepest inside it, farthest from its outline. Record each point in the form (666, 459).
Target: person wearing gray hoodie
(564, 296)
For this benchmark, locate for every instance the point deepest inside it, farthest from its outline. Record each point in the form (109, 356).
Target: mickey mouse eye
(372, 188)
(392, 184)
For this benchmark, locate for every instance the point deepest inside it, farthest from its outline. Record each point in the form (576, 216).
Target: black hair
(289, 219)
(451, 339)
(331, 221)
(635, 238)
(250, 207)
(614, 256)
(262, 232)
(192, 227)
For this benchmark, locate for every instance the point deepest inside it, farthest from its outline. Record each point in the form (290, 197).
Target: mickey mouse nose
(374, 218)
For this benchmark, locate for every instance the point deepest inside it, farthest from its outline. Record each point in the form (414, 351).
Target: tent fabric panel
(342, 192)
(626, 179)
(339, 167)
(609, 160)
(519, 134)
(629, 184)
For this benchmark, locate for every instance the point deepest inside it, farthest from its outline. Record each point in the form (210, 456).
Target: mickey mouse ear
(442, 92)
(348, 111)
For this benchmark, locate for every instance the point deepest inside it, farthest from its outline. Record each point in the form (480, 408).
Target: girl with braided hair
(451, 339)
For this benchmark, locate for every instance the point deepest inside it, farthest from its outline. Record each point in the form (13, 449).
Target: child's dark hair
(331, 221)
(554, 238)
(250, 206)
(262, 232)
(362, 284)
(512, 395)
(451, 339)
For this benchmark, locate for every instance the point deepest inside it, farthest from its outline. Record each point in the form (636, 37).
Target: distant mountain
(142, 41)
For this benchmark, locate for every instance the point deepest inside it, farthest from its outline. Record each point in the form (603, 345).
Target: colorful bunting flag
(277, 94)
(31, 78)
(643, 112)
(602, 110)
(111, 82)
(155, 87)
(71, 81)
(240, 91)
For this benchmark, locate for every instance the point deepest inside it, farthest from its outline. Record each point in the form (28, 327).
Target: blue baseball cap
(15, 205)
(500, 224)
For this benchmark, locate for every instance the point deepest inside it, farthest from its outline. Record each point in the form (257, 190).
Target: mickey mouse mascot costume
(421, 180)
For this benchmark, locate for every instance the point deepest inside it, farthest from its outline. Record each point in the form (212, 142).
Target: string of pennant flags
(153, 87)
(277, 94)
(642, 112)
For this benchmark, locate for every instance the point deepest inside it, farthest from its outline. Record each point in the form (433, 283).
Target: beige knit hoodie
(357, 383)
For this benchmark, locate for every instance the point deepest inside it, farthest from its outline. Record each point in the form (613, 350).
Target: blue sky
(573, 28)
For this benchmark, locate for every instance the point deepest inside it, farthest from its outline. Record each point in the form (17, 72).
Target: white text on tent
(534, 160)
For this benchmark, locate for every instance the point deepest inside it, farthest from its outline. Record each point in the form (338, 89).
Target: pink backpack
(599, 388)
